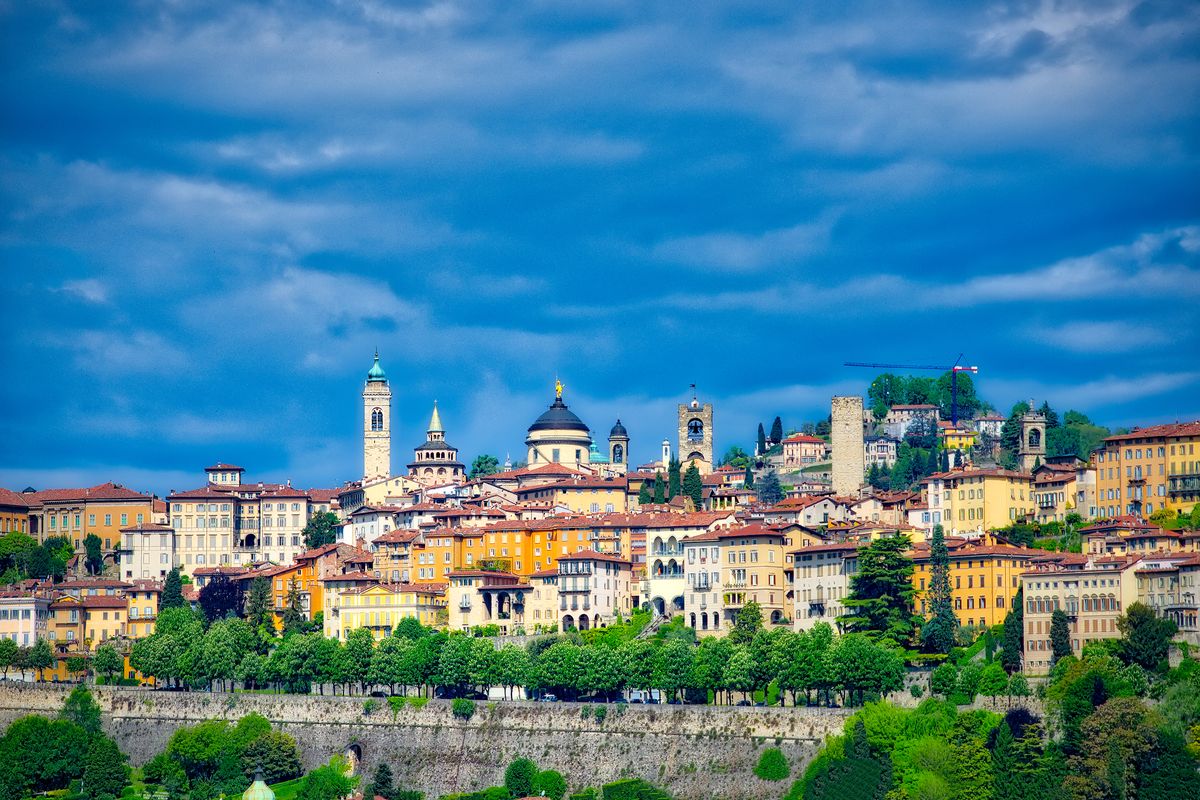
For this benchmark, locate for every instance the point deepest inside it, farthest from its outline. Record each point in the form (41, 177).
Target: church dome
(558, 418)
(376, 373)
(258, 790)
(618, 430)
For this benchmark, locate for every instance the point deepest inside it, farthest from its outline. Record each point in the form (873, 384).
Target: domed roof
(618, 430)
(258, 790)
(376, 372)
(558, 418)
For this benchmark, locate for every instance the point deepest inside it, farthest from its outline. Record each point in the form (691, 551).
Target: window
(376, 419)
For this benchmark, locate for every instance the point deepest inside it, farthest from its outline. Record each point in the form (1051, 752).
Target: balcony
(464, 604)
(1186, 483)
(816, 608)
(667, 552)
(736, 584)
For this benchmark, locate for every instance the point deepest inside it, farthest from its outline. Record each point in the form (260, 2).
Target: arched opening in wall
(677, 605)
(692, 622)
(618, 454)
(659, 605)
(1035, 439)
(776, 617)
(249, 541)
(583, 622)
(568, 623)
(354, 757)
(377, 419)
(695, 430)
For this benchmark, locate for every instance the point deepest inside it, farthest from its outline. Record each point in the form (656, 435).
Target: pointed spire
(435, 421)
(376, 372)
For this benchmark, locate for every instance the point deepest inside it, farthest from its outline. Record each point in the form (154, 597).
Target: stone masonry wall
(695, 752)
(846, 439)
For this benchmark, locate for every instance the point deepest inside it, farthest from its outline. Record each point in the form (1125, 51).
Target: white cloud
(123, 352)
(1096, 337)
(743, 252)
(1109, 390)
(89, 290)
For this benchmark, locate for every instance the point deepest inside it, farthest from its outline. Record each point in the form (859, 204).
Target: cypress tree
(938, 635)
(660, 488)
(762, 440)
(693, 486)
(1014, 635)
(777, 431)
(172, 596)
(644, 496)
(381, 784)
(673, 478)
(748, 479)
(1060, 635)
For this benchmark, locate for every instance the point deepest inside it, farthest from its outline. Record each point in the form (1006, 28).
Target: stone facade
(694, 752)
(695, 436)
(849, 460)
(377, 425)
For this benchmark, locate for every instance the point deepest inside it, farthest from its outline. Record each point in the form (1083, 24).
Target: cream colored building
(1092, 591)
(822, 582)
(801, 450)
(1054, 485)
(1170, 585)
(541, 604)
(558, 436)
(479, 597)
(704, 601)
(665, 585)
(593, 588)
(24, 617)
(147, 551)
(756, 567)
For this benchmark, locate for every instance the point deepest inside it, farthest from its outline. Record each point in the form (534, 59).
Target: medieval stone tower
(696, 434)
(849, 457)
(1032, 449)
(377, 424)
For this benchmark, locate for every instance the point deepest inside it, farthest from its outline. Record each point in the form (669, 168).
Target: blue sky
(212, 216)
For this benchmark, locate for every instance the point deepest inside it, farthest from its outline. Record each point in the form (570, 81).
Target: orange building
(75, 513)
(14, 512)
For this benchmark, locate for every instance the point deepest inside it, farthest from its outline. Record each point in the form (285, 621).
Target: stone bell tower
(1032, 448)
(696, 434)
(377, 424)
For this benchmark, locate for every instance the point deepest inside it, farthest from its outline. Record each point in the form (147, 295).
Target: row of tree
(678, 481)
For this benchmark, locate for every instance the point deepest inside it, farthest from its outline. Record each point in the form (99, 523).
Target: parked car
(548, 698)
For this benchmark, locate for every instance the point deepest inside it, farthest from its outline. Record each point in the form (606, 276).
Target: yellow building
(984, 579)
(1054, 490)
(76, 513)
(755, 567)
(957, 437)
(1148, 470)
(974, 500)
(581, 495)
(14, 512)
(381, 607)
(142, 607)
(80, 624)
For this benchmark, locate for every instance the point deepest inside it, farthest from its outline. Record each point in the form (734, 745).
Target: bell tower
(618, 448)
(377, 424)
(696, 434)
(1032, 449)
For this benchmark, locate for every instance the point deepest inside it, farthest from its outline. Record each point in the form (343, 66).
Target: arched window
(1035, 438)
(695, 429)
(377, 419)
(618, 454)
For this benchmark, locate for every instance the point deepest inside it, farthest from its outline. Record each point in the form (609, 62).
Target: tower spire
(435, 421)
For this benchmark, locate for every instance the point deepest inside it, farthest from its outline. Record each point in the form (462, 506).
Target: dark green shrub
(519, 777)
(462, 708)
(600, 713)
(772, 765)
(549, 783)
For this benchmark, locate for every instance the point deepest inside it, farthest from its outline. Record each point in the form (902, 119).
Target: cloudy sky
(212, 218)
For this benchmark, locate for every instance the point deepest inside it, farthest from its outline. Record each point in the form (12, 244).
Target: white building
(822, 582)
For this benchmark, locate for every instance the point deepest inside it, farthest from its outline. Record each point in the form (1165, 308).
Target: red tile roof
(798, 438)
(103, 491)
(11, 498)
(1175, 429)
(592, 555)
(148, 527)
(224, 467)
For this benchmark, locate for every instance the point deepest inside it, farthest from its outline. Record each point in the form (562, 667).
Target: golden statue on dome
(558, 389)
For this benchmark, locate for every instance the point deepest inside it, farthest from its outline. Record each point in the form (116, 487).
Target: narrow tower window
(377, 419)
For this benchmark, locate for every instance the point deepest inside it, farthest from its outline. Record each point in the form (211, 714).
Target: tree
(739, 671)
(1010, 433)
(328, 782)
(481, 467)
(519, 777)
(660, 489)
(768, 490)
(881, 592)
(944, 680)
(172, 596)
(693, 486)
(673, 667)
(221, 598)
(1145, 637)
(276, 754)
(381, 784)
(1060, 635)
(776, 431)
(762, 442)
(886, 391)
(994, 681)
(357, 655)
(82, 709)
(859, 667)
(735, 456)
(321, 529)
(293, 613)
(940, 632)
(258, 603)
(673, 478)
(94, 558)
(107, 661)
(644, 496)
(748, 478)
(106, 773)
(968, 401)
(1014, 635)
(749, 621)
(9, 651)
(40, 657)
(549, 783)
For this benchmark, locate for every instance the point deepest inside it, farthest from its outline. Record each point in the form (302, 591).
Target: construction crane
(953, 369)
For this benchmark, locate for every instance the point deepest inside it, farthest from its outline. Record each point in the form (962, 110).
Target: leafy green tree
(693, 486)
(994, 680)
(944, 680)
(971, 767)
(82, 709)
(739, 671)
(941, 631)
(777, 431)
(294, 620)
(258, 603)
(94, 554)
(555, 668)
(673, 479)
(9, 653)
(644, 495)
(708, 665)
(968, 400)
(328, 782)
(735, 456)
(1014, 635)
(321, 529)
(40, 657)
(1010, 434)
(1146, 637)
(512, 667)
(881, 592)
(884, 392)
(106, 773)
(748, 478)
(673, 667)
(454, 665)
(276, 754)
(107, 661)
(600, 670)
(1167, 770)
(221, 656)
(772, 765)
(381, 783)
(172, 596)
(1060, 635)
(762, 441)
(519, 777)
(860, 667)
(1018, 685)
(748, 622)
(481, 467)
(769, 491)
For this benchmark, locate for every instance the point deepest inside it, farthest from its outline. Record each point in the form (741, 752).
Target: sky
(213, 214)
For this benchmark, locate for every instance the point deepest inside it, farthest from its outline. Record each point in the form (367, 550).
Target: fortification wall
(696, 752)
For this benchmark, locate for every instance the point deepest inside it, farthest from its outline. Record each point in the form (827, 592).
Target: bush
(418, 702)
(396, 704)
(916, 690)
(600, 713)
(772, 765)
(550, 783)
(370, 705)
(462, 708)
(519, 777)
